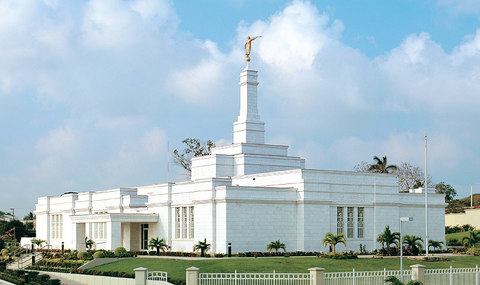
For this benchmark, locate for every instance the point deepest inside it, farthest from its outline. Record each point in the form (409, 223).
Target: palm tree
(276, 245)
(203, 246)
(435, 244)
(38, 242)
(89, 243)
(471, 240)
(413, 242)
(29, 217)
(333, 240)
(381, 166)
(158, 244)
(387, 238)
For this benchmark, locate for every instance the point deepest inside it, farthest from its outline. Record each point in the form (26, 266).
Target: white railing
(452, 276)
(254, 278)
(364, 277)
(157, 277)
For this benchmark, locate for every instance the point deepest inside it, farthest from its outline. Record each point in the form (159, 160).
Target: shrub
(120, 250)
(54, 282)
(99, 254)
(3, 266)
(4, 252)
(43, 278)
(82, 255)
(339, 255)
(473, 251)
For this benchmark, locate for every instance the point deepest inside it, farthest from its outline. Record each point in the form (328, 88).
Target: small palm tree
(333, 240)
(388, 238)
(203, 246)
(472, 239)
(38, 242)
(276, 245)
(158, 244)
(435, 244)
(380, 166)
(89, 243)
(413, 242)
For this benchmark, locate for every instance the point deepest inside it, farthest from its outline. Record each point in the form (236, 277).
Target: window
(99, 230)
(184, 223)
(339, 220)
(350, 222)
(144, 236)
(360, 223)
(191, 223)
(56, 226)
(177, 222)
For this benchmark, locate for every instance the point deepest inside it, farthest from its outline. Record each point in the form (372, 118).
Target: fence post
(140, 276)
(451, 275)
(192, 275)
(476, 275)
(418, 273)
(316, 275)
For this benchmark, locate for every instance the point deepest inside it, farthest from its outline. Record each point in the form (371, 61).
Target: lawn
(176, 267)
(458, 236)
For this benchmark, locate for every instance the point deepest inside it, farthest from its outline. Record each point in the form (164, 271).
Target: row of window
(99, 230)
(351, 222)
(184, 223)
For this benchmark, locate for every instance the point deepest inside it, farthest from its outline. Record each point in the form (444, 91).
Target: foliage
(193, 148)
(18, 277)
(203, 246)
(413, 243)
(99, 254)
(332, 240)
(435, 244)
(276, 245)
(83, 255)
(158, 244)
(447, 190)
(89, 243)
(29, 217)
(473, 251)
(411, 176)
(340, 255)
(458, 229)
(472, 239)
(38, 242)
(387, 238)
(395, 281)
(120, 250)
(12, 230)
(381, 166)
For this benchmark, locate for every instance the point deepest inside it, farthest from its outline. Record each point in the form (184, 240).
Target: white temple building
(248, 194)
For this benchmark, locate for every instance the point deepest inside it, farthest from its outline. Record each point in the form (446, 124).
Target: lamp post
(402, 219)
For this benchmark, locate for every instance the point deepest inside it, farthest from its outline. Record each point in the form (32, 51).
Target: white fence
(254, 278)
(452, 276)
(364, 277)
(157, 278)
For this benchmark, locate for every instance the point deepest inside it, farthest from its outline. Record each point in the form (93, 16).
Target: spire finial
(248, 46)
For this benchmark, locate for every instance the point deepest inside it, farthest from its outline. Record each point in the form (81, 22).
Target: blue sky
(93, 92)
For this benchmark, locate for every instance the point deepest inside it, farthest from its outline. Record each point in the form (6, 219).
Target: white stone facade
(248, 194)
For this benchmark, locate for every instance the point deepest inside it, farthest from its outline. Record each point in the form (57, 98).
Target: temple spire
(248, 128)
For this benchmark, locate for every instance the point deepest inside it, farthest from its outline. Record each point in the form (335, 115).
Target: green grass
(458, 236)
(176, 267)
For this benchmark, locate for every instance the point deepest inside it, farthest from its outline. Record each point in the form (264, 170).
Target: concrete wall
(471, 216)
(91, 279)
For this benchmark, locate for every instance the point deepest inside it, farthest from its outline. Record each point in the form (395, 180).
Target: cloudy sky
(92, 92)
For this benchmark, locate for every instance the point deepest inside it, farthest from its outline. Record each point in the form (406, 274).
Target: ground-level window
(350, 222)
(191, 223)
(361, 223)
(184, 223)
(99, 230)
(56, 226)
(144, 236)
(177, 222)
(340, 220)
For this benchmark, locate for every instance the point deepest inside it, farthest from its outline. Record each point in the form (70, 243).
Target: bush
(4, 252)
(83, 255)
(54, 282)
(3, 266)
(120, 250)
(99, 254)
(43, 278)
(473, 251)
(340, 255)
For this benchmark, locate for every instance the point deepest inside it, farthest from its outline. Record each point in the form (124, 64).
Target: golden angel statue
(248, 46)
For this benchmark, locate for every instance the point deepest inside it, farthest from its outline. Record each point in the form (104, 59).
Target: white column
(248, 128)
(316, 275)
(141, 276)
(418, 272)
(192, 276)
(114, 235)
